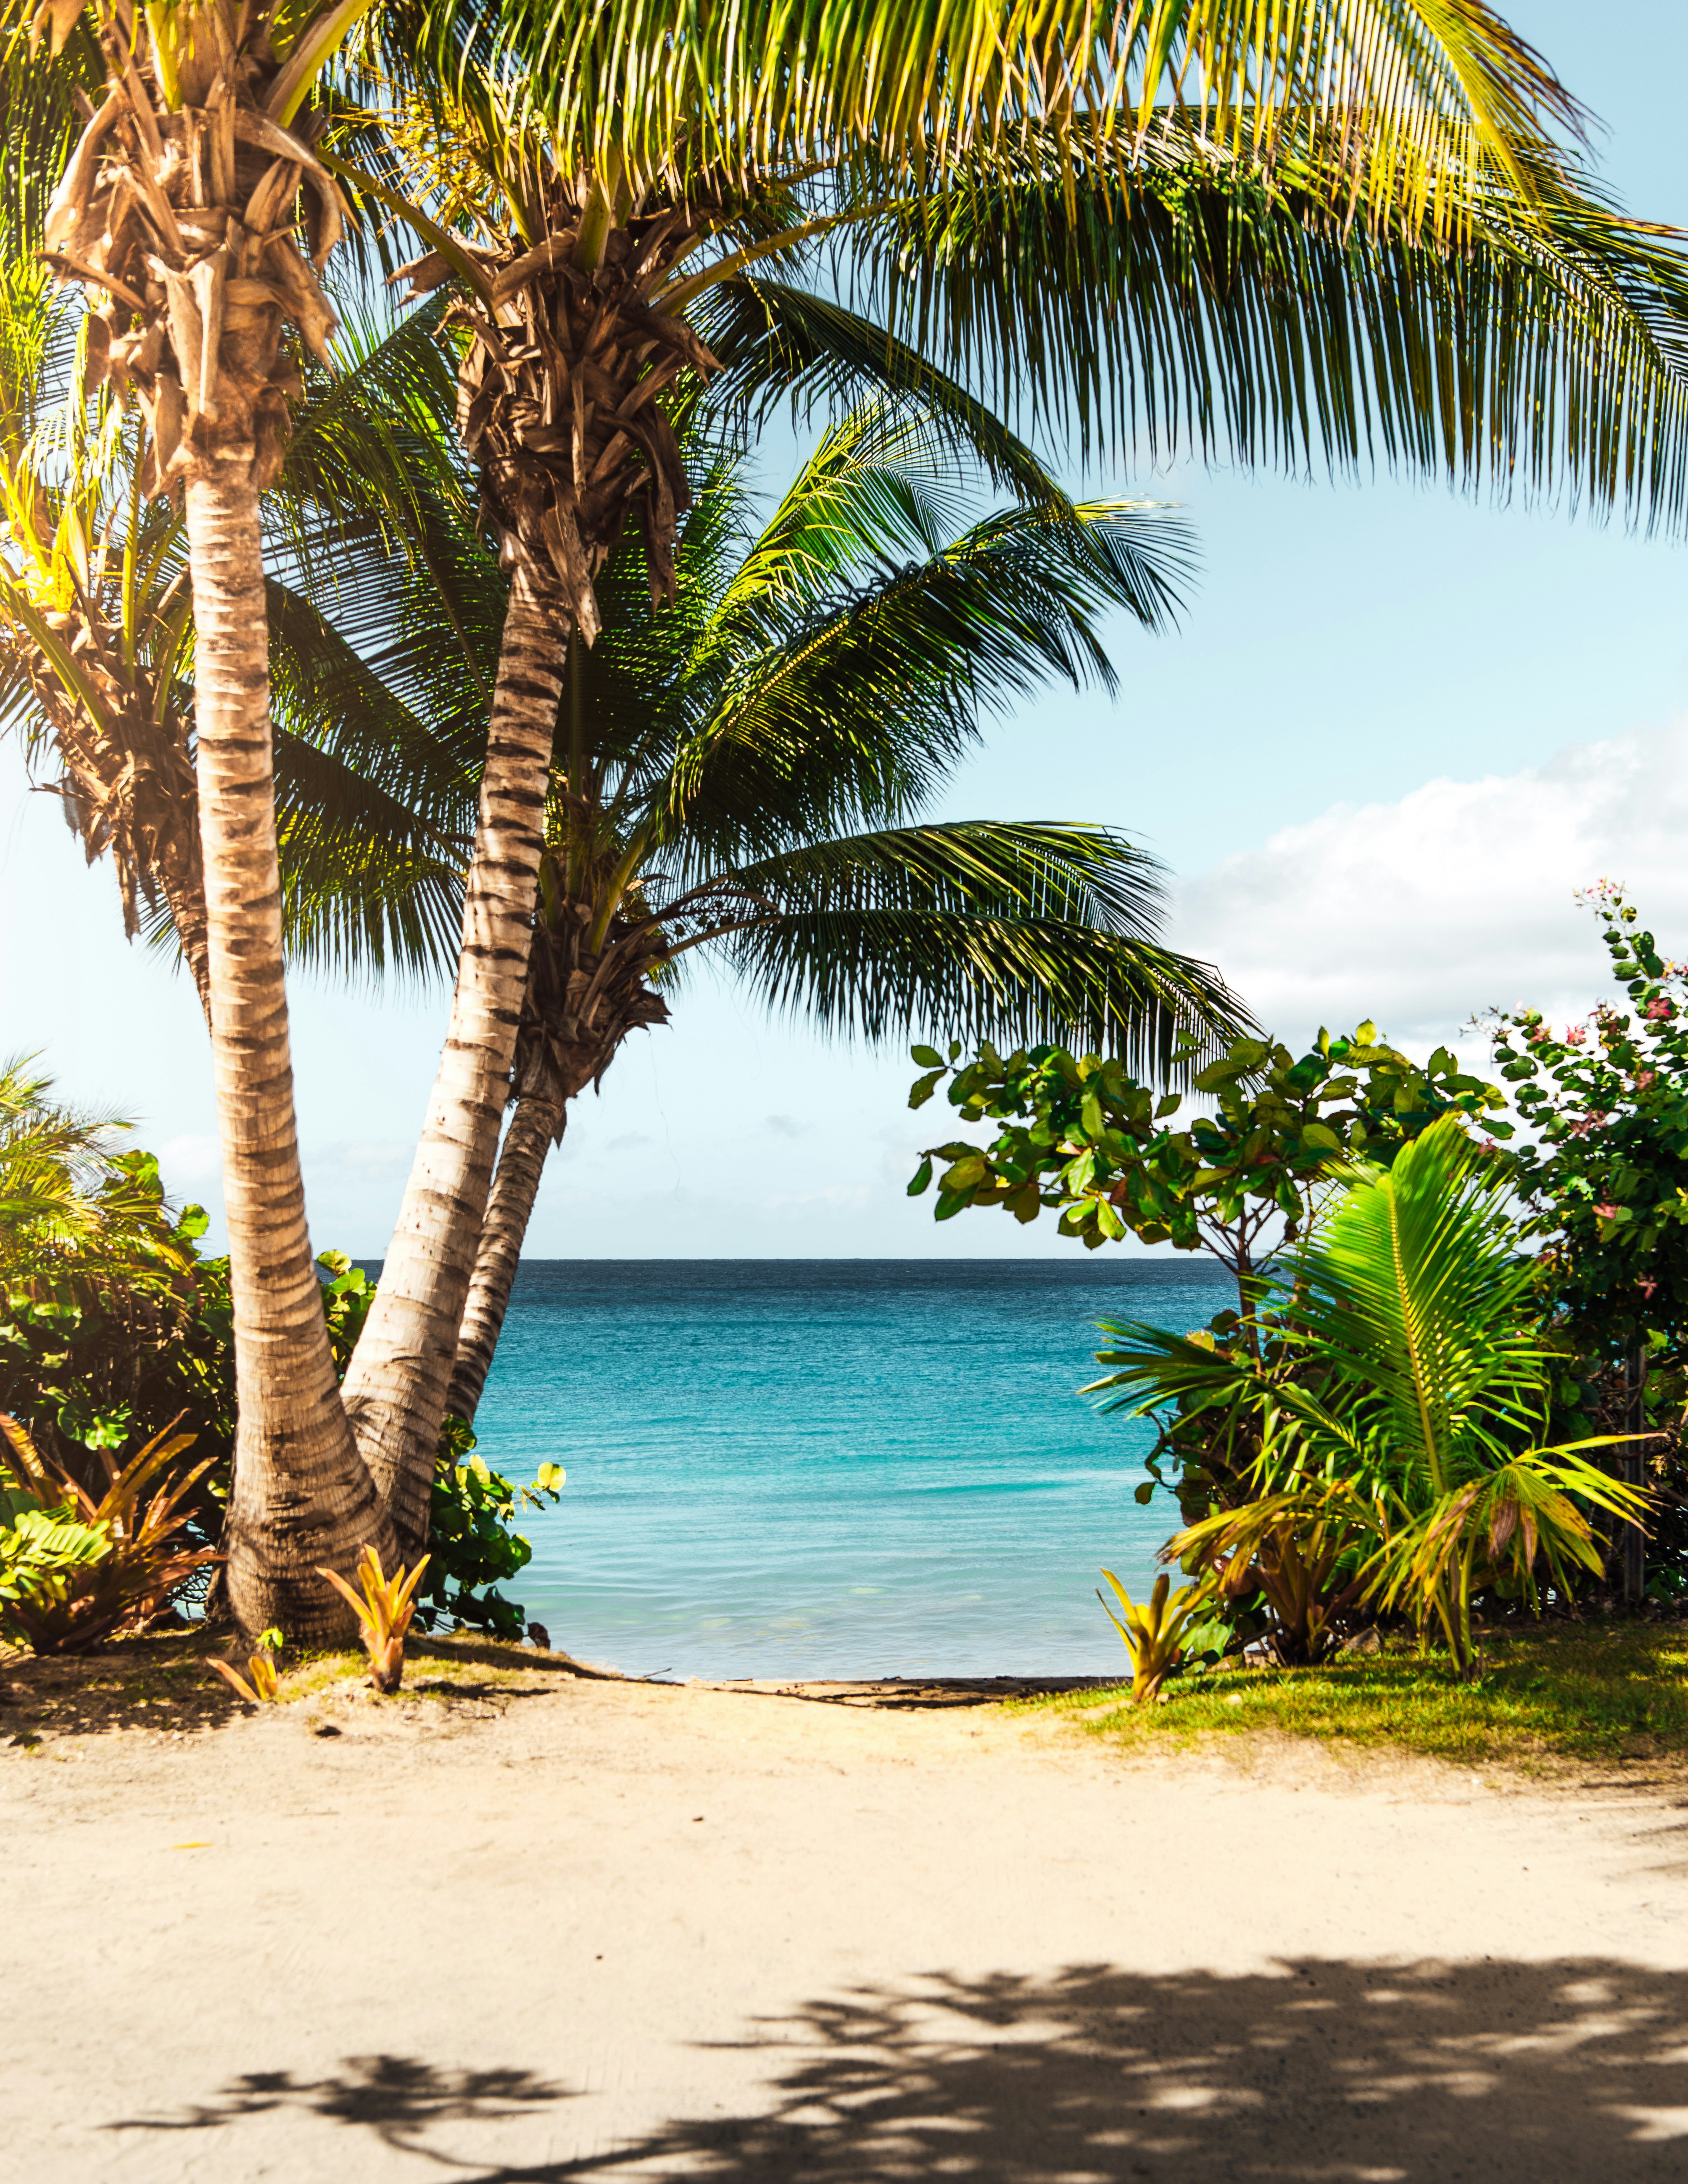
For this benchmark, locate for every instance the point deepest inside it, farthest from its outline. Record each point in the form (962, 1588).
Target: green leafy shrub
(473, 1545)
(114, 1333)
(1371, 1429)
(1604, 1178)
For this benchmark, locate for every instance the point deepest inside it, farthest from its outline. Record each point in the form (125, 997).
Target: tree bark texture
(396, 1389)
(301, 1496)
(582, 1006)
(535, 1126)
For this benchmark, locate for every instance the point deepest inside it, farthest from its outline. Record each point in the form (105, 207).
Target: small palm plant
(383, 1614)
(1402, 1406)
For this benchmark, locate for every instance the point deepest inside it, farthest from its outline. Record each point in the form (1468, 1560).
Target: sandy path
(618, 1931)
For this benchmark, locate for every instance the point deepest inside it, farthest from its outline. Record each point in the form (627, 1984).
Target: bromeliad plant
(74, 1568)
(383, 1614)
(1154, 1631)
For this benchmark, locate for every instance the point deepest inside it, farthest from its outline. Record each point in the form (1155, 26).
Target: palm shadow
(1364, 2073)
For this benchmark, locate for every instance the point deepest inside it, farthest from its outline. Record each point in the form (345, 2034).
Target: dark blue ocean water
(830, 1468)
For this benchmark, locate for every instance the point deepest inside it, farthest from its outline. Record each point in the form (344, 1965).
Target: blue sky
(1396, 730)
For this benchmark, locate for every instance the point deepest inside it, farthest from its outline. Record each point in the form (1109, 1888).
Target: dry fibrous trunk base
(558, 398)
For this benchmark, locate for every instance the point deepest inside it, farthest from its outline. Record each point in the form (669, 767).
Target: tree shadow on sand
(1499, 2071)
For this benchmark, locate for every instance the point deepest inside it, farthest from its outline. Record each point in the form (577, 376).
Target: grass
(1578, 1692)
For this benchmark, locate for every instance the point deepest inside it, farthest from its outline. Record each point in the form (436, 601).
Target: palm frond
(1415, 1301)
(1410, 92)
(985, 930)
(1193, 303)
(827, 707)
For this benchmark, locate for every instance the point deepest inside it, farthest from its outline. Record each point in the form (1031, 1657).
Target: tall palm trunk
(177, 212)
(535, 1126)
(301, 1496)
(564, 331)
(395, 1392)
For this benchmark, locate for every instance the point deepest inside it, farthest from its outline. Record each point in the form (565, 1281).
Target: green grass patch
(1566, 1692)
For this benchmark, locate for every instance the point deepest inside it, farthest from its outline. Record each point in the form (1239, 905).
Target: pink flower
(1539, 1034)
(1658, 1012)
(1645, 1077)
(1576, 1035)
(1589, 1123)
(1608, 1212)
(1646, 1289)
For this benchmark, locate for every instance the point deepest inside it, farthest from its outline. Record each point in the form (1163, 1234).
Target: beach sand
(510, 1930)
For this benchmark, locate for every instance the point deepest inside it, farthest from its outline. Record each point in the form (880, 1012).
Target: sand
(514, 1934)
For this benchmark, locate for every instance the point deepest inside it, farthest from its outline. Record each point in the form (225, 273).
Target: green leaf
(928, 1057)
(923, 1176)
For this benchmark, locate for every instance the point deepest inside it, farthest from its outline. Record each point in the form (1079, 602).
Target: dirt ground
(519, 1925)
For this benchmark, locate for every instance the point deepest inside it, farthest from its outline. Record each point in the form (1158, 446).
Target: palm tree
(1267, 226)
(738, 775)
(178, 210)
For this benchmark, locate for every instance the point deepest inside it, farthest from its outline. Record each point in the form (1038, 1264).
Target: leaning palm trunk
(535, 1126)
(557, 406)
(177, 212)
(301, 1496)
(396, 1389)
(582, 1003)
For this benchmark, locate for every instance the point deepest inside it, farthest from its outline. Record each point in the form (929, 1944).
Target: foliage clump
(1409, 1412)
(117, 1339)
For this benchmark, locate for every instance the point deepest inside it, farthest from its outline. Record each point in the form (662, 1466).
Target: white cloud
(1457, 898)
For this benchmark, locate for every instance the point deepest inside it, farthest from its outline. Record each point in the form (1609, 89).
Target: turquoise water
(830, 1468)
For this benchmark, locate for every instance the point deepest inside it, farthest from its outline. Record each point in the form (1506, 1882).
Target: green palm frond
(1415, 1299)
(369, 447)
(376, 802)
(777, 342)
(990, 930)
(850, 699)
(1409, 92)
(78, 1215)
(1195, 304)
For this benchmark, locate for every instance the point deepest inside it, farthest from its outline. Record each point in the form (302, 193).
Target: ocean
(831, 1467)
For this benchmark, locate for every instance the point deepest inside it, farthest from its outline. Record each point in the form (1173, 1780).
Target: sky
(1394, 733)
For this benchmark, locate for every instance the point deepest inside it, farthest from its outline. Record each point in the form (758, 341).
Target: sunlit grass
(1578, 1692)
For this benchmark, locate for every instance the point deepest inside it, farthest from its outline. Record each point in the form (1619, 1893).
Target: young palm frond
(1399, 1402)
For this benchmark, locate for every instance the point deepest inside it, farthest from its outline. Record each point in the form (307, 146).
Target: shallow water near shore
(831, 1467)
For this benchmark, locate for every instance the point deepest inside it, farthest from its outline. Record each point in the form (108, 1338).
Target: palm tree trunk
(301, 1496)
(396, 1389)
(535, 1127)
